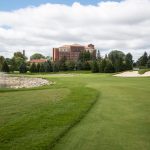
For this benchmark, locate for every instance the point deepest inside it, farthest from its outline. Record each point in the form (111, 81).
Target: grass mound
(142, 71)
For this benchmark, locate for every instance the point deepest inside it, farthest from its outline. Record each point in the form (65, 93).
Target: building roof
(38, 60)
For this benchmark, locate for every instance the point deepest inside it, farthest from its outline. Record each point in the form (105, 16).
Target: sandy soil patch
(22, 82)
(133, 74)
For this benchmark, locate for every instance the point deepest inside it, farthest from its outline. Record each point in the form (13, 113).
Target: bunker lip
(132, 74)
(22, 82)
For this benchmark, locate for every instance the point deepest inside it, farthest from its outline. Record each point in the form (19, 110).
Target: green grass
(37, 119)
(142, 71)
(63, 117)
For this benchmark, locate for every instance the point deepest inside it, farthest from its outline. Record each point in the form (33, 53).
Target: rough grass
(142, 71)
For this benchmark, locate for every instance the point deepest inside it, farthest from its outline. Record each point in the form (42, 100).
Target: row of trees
(143, 61)
(115, 61)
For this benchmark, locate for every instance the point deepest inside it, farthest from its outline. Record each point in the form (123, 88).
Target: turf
(118, 121)
(84, 112)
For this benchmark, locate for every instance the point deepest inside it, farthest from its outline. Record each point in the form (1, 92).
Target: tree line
(115, 61)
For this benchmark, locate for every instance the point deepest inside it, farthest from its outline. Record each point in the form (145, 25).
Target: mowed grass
(63, 117)
(37, 119)
(118, 121)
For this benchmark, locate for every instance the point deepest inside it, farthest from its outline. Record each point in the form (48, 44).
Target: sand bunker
(132, 74)
(22, 82)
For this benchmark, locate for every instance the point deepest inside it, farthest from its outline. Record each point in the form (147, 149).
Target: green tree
(142, 61)
(70, 65)
(55, 66)
(117, 58)
(148, 63)
(33, 68)
(62, 64)
(42, 68)
(38, 67)
(47, 67)
(94, 67)
(84, 56)
(129, 61)
(5, 67)
(23, 68)
(86, 65)
(99, 56)
(37, 56)
(17, 60)
(2, 59)
(102, 65)
(79, 65)
(109, 68)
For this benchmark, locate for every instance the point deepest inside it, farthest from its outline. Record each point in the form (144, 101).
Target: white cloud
(110, 25)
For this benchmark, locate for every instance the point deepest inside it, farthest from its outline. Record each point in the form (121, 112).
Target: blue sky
(9, 5)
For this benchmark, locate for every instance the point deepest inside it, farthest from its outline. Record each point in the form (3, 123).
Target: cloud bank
(109, 25)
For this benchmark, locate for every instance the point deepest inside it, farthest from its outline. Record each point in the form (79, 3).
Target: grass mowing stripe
(31, 120)
(81, 116)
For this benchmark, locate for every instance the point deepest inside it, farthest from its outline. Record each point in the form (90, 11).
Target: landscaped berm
(80, 112)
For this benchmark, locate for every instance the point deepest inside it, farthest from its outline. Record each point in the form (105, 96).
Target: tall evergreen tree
(23, 68)
(42, 68)
(142, 61)
(99, 56)
(94, 67)
(33, 68)
(38, 67)
(5, 67)
(129, 61)
(148, 63)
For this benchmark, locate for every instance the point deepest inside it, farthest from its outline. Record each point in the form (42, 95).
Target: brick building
(72, 52)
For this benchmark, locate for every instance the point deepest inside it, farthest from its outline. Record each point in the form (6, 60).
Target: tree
(62, 64)
(33, 68)
(86, 65)
(70, 65)
(38, 67)
(17, 60)
(79, 65)
(94, 67)
(23, 68)
(99, 56)
(5, 67)
(37, 56)
(42, 69)
(129, 61)
(102, 65)
(148, 63)
(142, 61)
(84, 56)
(2, 59)
(117, 59)
(109, 68)
(47, 67)
(55, 67)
